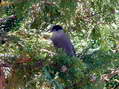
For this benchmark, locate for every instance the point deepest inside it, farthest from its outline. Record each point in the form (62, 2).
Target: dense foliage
(31, 61)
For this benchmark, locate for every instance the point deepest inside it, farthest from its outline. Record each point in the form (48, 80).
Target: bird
(61, 40)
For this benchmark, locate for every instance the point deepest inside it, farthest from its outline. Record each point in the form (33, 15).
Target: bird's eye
(54, 29)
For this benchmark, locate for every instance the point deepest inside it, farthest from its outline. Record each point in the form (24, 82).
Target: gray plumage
(61, 40)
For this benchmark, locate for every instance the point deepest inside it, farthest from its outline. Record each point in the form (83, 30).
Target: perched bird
(61, 40)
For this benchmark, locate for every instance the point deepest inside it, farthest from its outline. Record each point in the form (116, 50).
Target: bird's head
(56, 28)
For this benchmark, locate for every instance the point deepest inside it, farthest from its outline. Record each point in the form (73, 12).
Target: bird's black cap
(56, 28)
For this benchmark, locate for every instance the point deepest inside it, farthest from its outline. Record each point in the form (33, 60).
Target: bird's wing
(61, 40)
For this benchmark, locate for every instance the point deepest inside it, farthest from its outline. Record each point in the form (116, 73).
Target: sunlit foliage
(34, 63)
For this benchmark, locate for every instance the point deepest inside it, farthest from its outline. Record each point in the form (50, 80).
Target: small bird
(61, 40)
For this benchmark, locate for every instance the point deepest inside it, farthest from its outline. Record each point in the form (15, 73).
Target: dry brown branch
(106, 77)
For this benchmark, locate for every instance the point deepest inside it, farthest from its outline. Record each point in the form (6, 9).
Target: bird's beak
(47, 35)
(49, 30)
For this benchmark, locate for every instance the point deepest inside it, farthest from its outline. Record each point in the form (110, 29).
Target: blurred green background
(93, 26)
